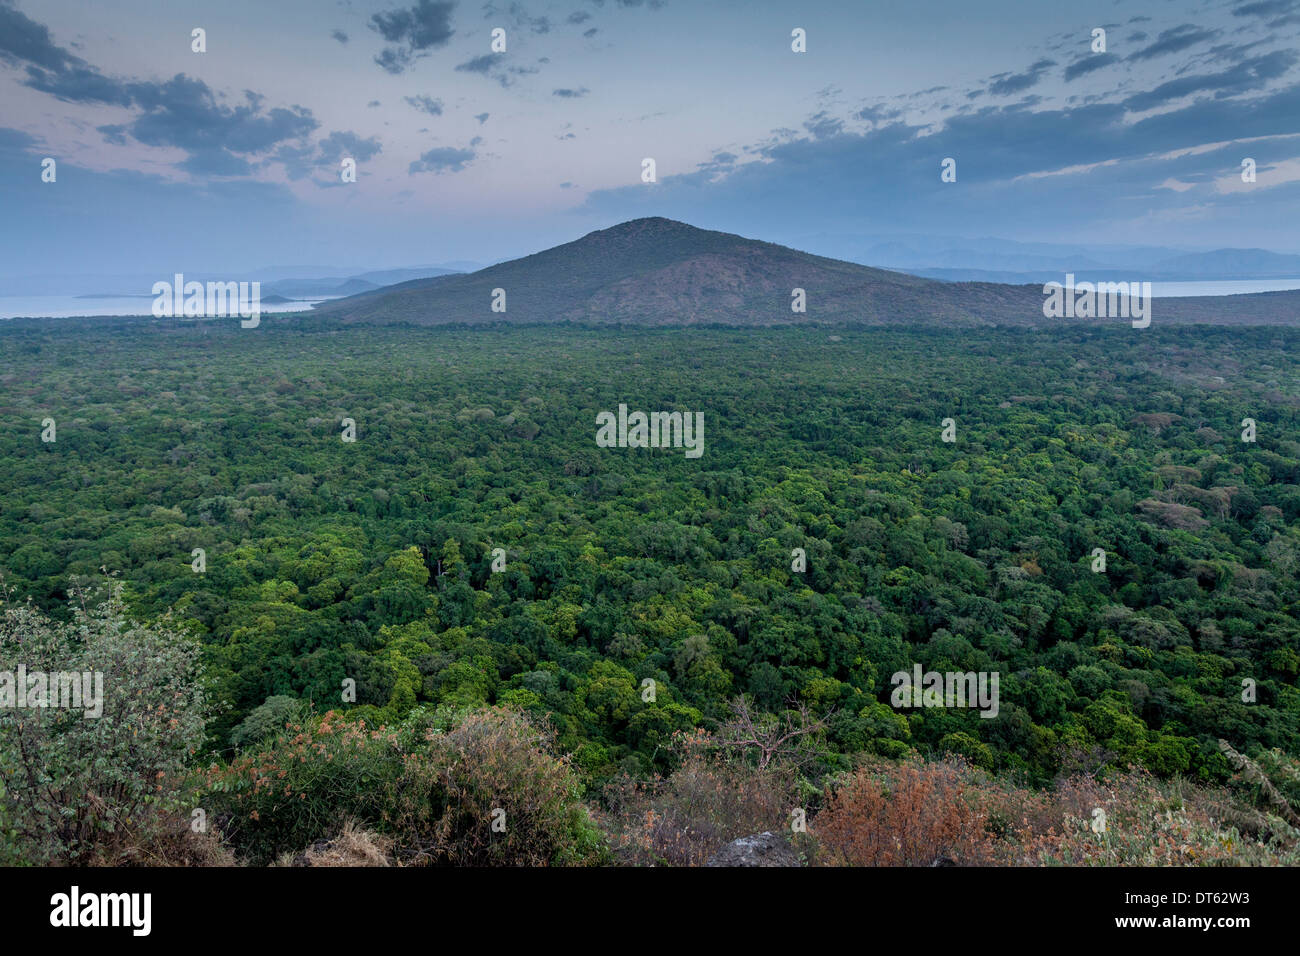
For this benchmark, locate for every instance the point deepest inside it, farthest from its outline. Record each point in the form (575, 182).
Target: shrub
(433, 783)
(81, 789)
(908, 814)
(708, 801)
(488, 791)
(354, 846)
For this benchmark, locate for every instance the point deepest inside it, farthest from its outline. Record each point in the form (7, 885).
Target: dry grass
(354, 846)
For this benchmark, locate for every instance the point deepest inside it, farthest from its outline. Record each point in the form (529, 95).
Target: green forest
(203, 469)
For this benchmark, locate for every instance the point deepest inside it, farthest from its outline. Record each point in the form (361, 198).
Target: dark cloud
(425, 104)
(1174, 41)
(321, 161)
(490, 64)
(1007, 83)
(517, 17)
(24, 40)
(1089, 64)
(878, 113)
(570, 94)
(443, 159)
(480, 64)
(1246, 76)
(412, 31)
(1264, 8)
(1012, 158)
(343, 144)
(15, 141)
(183, 112)
(79, 84)
(822, 125)
(340, 36)
(580, 16)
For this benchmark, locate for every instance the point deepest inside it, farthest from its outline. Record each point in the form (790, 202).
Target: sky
(227, 160)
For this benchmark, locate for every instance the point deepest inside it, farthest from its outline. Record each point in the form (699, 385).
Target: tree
(791, 739)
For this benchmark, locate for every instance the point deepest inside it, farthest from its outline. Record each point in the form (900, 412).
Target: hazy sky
(172, 160)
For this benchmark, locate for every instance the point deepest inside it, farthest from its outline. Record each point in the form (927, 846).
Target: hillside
(657, 271)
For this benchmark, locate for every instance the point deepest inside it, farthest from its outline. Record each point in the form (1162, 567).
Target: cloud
(340, 36)
(443, 159)
(1007, 83)
(348, 145)
(1174, 41)
(182, 112)
(490, 64)
(321, 161)
(569, 94)
(80, 84)
(16, 141)
(412, 31)
(425, 104)
(24, 40)
(1248, 75)
(822, 125)
(878, 113)
(479, 64)
(517, 17)
(1264, 8)
(1095, 164)
(482, 117)
(1089, 64)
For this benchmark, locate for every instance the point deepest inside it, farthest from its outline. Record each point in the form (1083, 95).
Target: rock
(761, 849)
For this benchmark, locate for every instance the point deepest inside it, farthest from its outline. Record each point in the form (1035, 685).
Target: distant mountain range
(311, 288)
(662, 272)
(1002, 260)
(290, 282)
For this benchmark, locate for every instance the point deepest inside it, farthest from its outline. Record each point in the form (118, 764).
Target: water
(62, 306)
(1173, 290)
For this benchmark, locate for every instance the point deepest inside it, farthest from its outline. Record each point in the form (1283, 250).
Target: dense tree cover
(371, 561)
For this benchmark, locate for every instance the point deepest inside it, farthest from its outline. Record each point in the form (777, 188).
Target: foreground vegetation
(326, 562)
(485, 786)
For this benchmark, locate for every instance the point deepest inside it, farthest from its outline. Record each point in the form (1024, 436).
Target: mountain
(661, 272)
(1232, 264)
(312, 287)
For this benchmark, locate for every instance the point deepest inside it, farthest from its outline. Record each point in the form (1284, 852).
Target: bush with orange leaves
(919, 813)
(906, 814)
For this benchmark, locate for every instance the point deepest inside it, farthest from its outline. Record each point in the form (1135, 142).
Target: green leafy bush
(94, 789)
